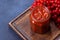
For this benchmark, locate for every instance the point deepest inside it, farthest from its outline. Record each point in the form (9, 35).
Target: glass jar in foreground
(40, 19)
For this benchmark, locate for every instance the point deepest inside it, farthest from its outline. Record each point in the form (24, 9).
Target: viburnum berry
(54, 7)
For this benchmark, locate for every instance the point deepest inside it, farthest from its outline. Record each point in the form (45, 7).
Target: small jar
(40, 19)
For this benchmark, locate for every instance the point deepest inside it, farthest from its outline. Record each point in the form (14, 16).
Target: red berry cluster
(53, 6)
(36, 3)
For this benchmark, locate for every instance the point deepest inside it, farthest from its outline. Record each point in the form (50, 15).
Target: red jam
(39, 19)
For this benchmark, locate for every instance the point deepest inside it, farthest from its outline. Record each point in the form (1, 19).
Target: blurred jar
(40, 19)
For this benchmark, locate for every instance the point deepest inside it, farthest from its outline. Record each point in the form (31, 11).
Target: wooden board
(21, 25)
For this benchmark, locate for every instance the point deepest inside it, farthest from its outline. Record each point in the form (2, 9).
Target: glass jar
(40, 19)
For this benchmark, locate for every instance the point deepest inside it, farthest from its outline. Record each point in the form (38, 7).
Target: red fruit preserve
(40, 19)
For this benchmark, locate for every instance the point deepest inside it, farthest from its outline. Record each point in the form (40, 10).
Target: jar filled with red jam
(40, 19)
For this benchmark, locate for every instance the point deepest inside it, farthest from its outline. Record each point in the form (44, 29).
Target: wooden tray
(21, 25)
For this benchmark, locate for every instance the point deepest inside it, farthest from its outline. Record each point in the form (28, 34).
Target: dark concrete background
(9, 9)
